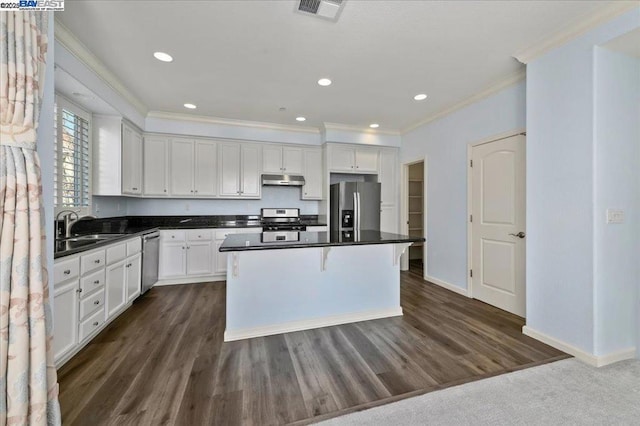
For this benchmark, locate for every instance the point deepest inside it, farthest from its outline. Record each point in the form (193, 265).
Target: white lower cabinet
(186, 254)
(90, 290)
(65, 316)
(220, 235)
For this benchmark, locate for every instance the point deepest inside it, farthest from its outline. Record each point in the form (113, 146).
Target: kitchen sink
(92, 237)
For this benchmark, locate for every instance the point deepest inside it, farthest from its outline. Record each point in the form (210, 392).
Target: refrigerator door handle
(356, 211)
(359, 210)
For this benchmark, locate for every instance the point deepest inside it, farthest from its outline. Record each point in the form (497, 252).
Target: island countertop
(254, 241)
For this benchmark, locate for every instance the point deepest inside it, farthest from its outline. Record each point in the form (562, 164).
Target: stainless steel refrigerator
(355, 206)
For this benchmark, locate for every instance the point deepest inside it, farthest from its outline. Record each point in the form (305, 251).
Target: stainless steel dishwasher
(150, 260)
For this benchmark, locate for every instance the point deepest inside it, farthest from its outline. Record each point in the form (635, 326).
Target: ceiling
(248, 59)
(628, 43)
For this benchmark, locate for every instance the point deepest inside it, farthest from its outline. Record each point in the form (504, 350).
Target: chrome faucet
(68, 222)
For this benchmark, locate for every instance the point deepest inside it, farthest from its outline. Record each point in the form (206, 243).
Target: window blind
(72, 159)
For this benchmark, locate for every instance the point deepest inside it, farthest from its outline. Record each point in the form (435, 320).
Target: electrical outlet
(615, 216)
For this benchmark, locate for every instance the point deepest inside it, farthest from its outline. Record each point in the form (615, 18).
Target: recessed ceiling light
(300, 118)
(324, 82)
(190, 106)
(374, 125)
(164, 57)
(420, 97)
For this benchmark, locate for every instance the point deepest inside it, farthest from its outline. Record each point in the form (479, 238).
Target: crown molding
(65, 37)
(229, 122)
(509, 81)
(358, 129)
(575, 30)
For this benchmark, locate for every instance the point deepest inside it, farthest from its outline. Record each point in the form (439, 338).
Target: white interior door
(498, 225)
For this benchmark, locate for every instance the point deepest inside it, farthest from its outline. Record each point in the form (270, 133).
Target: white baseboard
(448, 286)
(190, 280)
(288, 327)
(582, 355)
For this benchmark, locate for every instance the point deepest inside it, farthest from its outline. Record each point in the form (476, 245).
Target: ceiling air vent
(327, 9)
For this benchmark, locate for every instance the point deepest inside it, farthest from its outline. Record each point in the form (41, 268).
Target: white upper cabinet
(353, 159)
(193, 168)
(181, 167)
(117, 157)
(387, 176)
(131, 160)
(156, 166)
(279, 159)
(239, 170)
(313, 174)
(205, 176)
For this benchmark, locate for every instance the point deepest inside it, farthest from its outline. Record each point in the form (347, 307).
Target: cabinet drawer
(172, 235)
(91, 304)
(92, 261)
(64, 270)
(199, 235)
(91, 282)
(91, 324)
(116, 253)
(134, 246)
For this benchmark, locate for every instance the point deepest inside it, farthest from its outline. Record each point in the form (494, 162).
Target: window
(72, 178)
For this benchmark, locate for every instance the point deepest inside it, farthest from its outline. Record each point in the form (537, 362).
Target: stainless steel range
(281, 225)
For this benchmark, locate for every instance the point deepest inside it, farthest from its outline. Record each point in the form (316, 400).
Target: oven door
(280, 236)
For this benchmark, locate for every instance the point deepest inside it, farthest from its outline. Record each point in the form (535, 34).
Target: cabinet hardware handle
(67, 271)
(182, 247)
(79, 290)
(97, 302)
(96, 261)
(135, 189)
(96, 282)
(95, 324)
(165, 190)
(192, 190)
(357, 167)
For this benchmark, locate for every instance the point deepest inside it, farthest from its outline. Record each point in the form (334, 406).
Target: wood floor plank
(164, 360)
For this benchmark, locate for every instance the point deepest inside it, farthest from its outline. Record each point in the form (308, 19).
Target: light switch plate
(615, 216)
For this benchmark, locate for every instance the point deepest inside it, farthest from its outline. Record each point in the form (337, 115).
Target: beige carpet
(566, 392)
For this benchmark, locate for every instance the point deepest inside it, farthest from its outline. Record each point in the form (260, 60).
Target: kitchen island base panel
(275, 291)
(290, 327)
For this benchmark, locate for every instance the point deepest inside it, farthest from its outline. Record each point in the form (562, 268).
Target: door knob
(519, 234)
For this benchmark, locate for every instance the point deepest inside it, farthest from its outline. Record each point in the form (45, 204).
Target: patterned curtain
(28, 382)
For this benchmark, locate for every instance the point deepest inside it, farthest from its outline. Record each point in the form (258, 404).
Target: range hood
(282, 180)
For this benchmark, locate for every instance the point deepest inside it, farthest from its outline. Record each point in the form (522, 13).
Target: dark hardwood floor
(164, 361)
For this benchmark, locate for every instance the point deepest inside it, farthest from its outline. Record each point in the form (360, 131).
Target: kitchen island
(310, 280)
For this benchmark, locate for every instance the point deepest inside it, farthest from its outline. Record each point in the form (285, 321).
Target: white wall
(561, 159)
(617, 185)
(444, 142)
(272, 196)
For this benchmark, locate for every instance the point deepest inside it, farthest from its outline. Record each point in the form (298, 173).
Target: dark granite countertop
(138, 225)
(64, 248)
(243, 242)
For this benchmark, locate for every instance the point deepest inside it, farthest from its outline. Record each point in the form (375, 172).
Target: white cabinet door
(292, 162)
(156, 166)
(134, 278)
(172, 259)
(272, 159)
(116, 287)
(181, 167)
(389, 219)
(251, 160)
(221, 258)
(229, 169)
(205, 180)
(312, 171)
(65, 318)
(199, 258)
(343, 158)
(131, 160)
(366, 160)
(387, 177)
